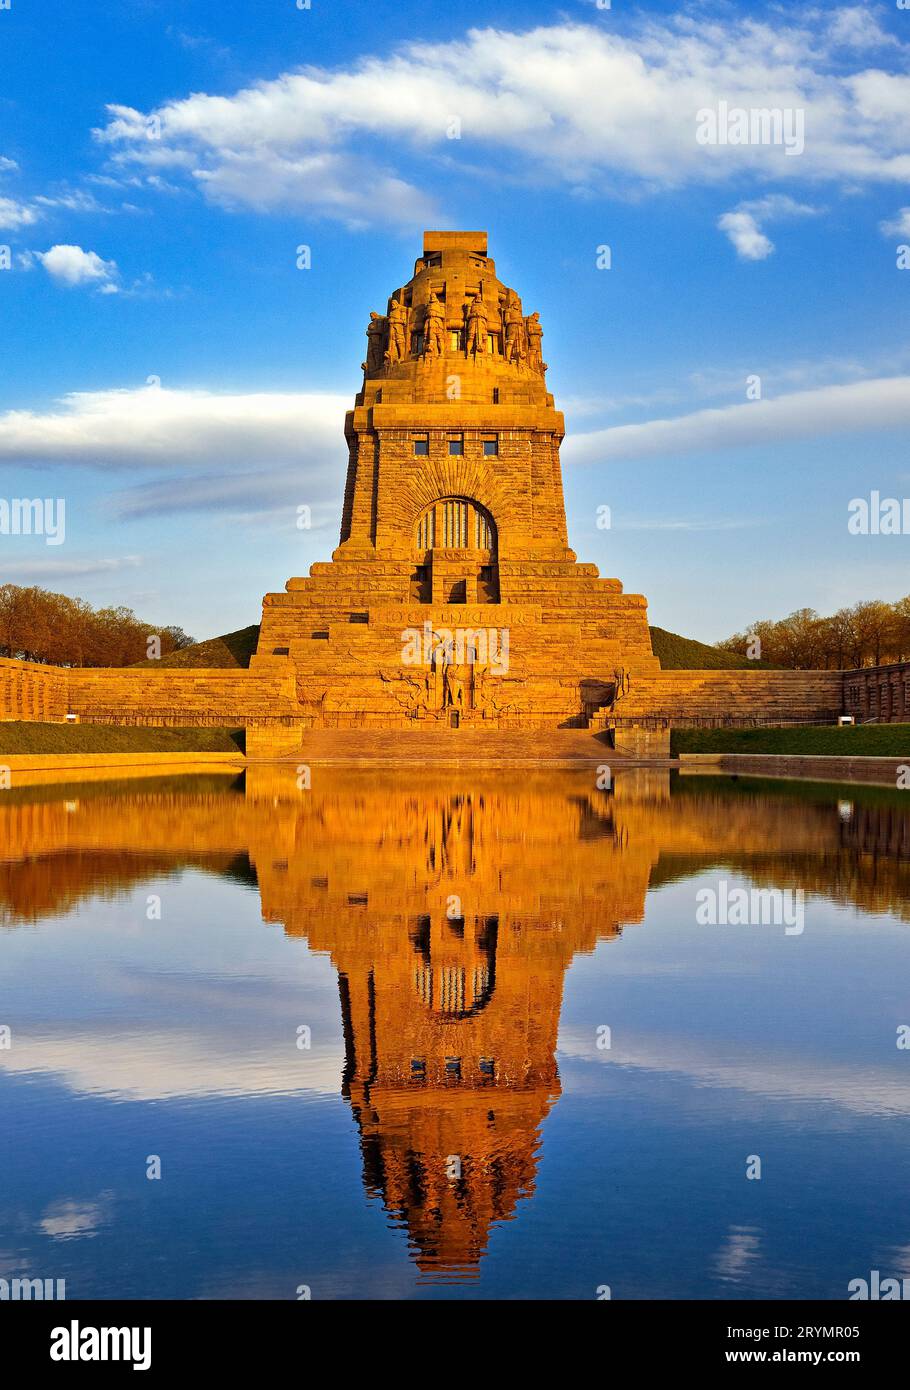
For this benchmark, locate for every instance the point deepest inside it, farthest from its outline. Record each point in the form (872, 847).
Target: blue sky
(173, 258)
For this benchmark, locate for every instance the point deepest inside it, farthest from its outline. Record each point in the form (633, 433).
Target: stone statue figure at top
(434, 327)
(397, 348)
(535, 352)
(376, 331)
(514, 343)
(476, 340)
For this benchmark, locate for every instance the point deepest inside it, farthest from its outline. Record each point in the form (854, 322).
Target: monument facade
(453, 596)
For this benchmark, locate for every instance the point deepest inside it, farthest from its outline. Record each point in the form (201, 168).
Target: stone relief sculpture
(434, 327)
(311, 703)
(413, 692)
(492, 695)
(621, 684)
(376, 333)
(458, 685)
(476, 341)
(397, 348)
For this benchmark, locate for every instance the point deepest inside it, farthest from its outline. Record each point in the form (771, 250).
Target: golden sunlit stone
(453, 596)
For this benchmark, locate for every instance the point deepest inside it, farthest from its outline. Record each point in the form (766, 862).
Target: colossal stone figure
(535, 334)
(477, 327)
(397, 349)
(514, 347)
(376, 330)
(434, 327)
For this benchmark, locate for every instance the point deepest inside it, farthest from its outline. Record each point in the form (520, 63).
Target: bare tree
(38, 625)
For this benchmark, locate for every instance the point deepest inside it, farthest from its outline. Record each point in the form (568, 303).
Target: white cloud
(572, 103)
(68, 1220)
(339, 186)
(266, 492)
(899, 225)
(879, 404)
(72, 266)
(855, 1088)
(74, 200)
(880, 98)
(743, 230)
(165, 1065)
(174, 429)
(744, 224)
(15, 214)
(775, 206)
(252, 452)
(6, 165)
(857, 26)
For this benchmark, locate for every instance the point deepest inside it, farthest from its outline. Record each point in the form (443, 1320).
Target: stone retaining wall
(30, 690)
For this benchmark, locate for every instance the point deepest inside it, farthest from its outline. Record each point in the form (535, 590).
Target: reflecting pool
(454, 1034)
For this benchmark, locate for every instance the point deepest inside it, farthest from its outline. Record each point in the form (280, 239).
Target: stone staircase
(448, 747)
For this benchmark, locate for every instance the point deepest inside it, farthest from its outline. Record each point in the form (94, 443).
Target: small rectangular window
(496, 395)
(490, 446)
(421, 446)
(456, 446)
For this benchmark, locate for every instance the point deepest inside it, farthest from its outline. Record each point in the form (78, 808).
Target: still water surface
(362, 1028)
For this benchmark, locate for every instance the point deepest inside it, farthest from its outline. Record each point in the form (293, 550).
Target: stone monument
(453, 597)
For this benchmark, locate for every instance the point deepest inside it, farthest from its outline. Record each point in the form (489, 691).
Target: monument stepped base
(446, 747)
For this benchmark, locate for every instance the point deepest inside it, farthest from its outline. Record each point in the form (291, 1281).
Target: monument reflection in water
(451, 906)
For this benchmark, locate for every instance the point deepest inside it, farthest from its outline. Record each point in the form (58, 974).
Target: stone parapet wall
(718, 698)
(174, 697)
(31, 690)
(365, 685)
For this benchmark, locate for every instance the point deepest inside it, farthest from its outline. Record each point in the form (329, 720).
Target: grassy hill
(685, 654)
(675, 653)
(231, 649)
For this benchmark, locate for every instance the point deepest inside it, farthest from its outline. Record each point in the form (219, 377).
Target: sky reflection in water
(452, 941)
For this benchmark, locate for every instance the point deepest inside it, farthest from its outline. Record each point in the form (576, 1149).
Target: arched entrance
(455, 553)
